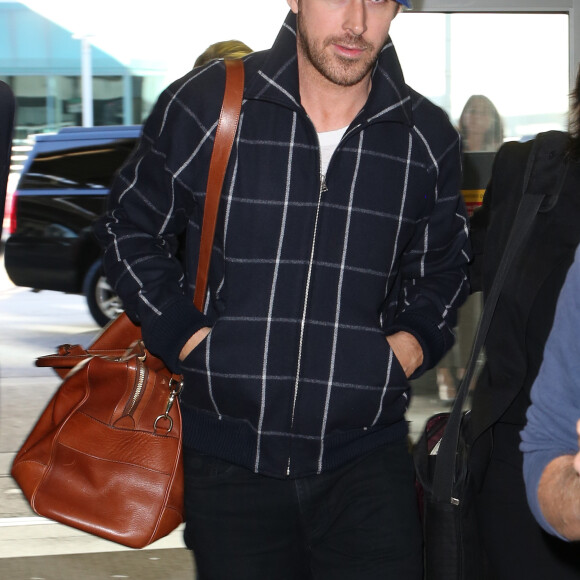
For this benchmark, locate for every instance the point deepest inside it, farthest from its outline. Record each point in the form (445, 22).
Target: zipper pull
(323, 187)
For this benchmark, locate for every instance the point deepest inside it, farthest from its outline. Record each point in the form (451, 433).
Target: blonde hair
(223, 49)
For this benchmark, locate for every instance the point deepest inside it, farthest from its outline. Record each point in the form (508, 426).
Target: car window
(88, 167)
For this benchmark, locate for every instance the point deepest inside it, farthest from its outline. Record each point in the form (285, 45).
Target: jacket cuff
(166, 334)
(429, 336)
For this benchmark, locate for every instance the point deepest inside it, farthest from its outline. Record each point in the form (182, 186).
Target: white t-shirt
(328, 143)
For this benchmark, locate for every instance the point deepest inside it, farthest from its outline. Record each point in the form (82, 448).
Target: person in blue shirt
(550, 440)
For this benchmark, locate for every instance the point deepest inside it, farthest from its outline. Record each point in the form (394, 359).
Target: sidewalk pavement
(33, 548)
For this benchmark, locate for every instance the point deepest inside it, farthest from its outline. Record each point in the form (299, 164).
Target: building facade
(42, 62)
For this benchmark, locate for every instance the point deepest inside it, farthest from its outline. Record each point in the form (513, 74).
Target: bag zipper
(138, 389)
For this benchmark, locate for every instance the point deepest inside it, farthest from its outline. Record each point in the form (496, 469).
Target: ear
(293, 5)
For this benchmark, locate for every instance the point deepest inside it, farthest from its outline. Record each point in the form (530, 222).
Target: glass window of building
(527, 84)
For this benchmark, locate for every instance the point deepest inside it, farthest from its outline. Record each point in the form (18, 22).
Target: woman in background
(480, 125)
(481, 129)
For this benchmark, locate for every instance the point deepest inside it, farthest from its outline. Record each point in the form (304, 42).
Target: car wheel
(104, 303)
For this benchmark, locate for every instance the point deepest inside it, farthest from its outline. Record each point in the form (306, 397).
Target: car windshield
(79, 167)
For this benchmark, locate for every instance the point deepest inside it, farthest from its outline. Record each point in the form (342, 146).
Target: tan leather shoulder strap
(224, 140)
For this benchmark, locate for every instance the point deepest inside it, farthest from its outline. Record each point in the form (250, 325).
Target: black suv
(61, 191)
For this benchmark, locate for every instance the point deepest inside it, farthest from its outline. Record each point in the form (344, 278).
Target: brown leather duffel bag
(105, 456)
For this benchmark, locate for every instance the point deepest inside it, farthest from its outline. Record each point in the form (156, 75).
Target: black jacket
(525, 310)
(307, 275)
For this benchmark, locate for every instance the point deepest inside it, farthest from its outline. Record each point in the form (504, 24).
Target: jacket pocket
(193, 357)
(397, 373)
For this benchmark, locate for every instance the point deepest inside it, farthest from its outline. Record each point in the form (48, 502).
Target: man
(551, 438)
(341, 224)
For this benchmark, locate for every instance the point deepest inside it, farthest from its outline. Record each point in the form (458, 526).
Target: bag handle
(224, 140)
(536, 169)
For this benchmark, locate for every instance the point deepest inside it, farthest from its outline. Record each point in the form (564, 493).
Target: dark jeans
(358, 522)
(515, 544)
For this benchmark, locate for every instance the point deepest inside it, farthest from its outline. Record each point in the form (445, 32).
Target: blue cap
(406, 3)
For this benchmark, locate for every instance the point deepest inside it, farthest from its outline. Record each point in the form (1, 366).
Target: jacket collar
(277, 80)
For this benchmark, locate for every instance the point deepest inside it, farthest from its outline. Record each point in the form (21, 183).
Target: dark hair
(574, 124)
(494, 136)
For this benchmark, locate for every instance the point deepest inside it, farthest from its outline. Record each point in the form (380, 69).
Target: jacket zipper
(322, 189)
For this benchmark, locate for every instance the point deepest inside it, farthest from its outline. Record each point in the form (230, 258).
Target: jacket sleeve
(435, 270)
(551, 419)
(148, 208)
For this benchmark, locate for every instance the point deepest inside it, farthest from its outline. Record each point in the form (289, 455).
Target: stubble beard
(339, 70)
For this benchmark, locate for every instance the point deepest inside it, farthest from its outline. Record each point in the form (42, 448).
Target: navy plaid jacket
(308, 275)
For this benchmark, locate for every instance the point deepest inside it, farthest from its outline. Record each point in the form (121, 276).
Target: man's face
(341, 39)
